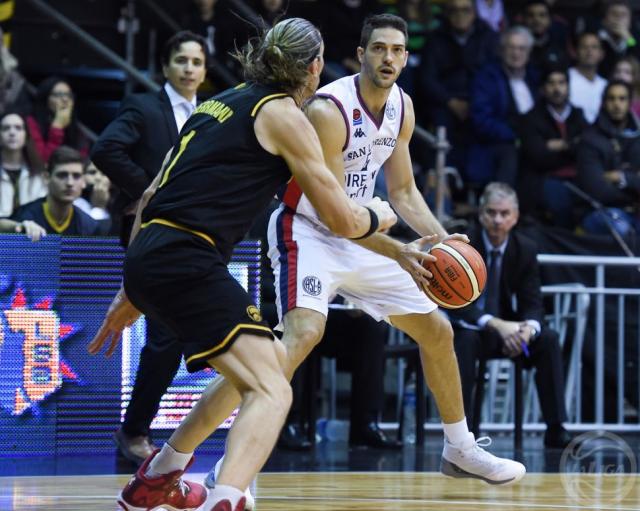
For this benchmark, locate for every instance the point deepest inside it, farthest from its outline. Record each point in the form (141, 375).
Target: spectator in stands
(130, 152)
(627, 70)
(585, 84)
(13, 93)
(609, 163)
(550, 134)
(54, 122)
(551, 37)
(492, 12)
(270, 10)
(502, 92)
(421, 18)
(616, 34)
(202, 17)
(21, 179)
(95, 198)
(55, 212)
(497, 326)
(452, 56)
(340, 25)
(221, 29)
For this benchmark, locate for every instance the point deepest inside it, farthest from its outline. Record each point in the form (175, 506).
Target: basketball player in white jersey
(366, 121)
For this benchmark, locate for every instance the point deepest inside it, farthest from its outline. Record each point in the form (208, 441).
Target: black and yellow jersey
(219, 177)
(78, 223)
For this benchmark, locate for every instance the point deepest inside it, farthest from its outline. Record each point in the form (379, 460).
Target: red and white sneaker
(168, 491)
(225, 505)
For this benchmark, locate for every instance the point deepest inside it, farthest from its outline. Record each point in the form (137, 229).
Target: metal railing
(574, 304)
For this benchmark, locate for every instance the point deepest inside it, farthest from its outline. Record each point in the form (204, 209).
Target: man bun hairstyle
(281, 56)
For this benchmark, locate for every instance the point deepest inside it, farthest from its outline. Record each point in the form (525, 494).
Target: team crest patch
(357, 116)
(254, 313)
(390, 111)
(312, 285)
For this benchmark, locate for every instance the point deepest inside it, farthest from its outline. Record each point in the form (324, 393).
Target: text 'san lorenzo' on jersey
(368, 145)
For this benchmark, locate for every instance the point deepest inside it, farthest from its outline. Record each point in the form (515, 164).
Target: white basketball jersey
(368, 145)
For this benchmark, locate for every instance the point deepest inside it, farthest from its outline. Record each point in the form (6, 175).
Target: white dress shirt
(521, 95)
(182, 107)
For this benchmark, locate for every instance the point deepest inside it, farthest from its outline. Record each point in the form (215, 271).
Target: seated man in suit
(492, 327)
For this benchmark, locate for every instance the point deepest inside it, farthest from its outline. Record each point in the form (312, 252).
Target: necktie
(492, 301)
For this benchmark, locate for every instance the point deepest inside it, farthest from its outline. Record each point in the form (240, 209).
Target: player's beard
(373, 75)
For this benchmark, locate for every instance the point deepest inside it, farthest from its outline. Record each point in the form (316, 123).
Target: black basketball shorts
(181, 280)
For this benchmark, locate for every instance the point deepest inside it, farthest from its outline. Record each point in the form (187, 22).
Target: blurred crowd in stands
(534, 93)
(542, 95)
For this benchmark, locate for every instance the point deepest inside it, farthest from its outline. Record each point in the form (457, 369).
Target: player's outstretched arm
(122, 313)
(282, 129)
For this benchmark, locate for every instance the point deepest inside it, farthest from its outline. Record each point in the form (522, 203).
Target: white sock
(167, 460)
(457, 432)
(222, 492)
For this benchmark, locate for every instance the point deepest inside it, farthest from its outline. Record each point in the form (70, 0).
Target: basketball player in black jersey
(233, 153)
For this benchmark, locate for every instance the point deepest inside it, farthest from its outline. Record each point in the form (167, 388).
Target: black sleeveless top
(219, 177)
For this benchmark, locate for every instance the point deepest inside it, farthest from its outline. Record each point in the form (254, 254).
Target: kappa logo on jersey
(312, 285)
(30, 352)
(359, 133)
(357, 117)
(390, 111)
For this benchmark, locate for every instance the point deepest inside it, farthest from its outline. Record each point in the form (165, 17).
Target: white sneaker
(210, 482)
(469, 459)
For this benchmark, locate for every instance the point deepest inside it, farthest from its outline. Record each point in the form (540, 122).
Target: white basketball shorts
(311, 266)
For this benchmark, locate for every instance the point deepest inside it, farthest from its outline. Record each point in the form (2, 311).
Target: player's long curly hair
(282, 54)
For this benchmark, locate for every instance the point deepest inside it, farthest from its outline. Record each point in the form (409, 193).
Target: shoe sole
(167, 507)
(452, 470)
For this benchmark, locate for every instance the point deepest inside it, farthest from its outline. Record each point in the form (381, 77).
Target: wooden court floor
(345, 491)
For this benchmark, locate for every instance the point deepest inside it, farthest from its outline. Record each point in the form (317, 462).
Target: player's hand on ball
(386, 215)
(121, 314)
(457, 236)
(411, 258)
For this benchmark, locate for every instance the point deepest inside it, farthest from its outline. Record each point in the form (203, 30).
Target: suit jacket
(538, 127)
(519, 279)
(537, 161)
(605, 147)
(132, 147)
(493, 110)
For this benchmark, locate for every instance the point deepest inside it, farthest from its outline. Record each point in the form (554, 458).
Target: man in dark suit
(507, 319)
(130, 152)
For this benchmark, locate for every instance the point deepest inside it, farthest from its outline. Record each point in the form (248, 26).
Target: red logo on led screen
(31, 367)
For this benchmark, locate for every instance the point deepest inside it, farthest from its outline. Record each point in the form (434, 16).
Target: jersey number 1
(183, 145)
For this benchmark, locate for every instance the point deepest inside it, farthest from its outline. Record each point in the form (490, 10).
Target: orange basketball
(459, 274)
